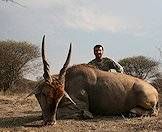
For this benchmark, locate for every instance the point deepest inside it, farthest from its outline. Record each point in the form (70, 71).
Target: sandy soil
(17, 114)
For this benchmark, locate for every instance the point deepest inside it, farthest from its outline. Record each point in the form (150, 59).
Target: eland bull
(50, 91)
(107, 93)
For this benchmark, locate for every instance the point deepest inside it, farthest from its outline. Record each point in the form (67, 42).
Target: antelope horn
(46, 74)
(65, 66)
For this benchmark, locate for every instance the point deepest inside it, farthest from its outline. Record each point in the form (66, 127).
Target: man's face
(98, 52)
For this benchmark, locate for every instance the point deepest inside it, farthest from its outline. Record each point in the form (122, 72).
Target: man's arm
(117, 67)
(120, 68)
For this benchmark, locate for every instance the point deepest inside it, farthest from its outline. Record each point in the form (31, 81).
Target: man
(104, 63)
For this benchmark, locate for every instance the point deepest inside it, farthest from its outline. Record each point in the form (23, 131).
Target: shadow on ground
(9, 122)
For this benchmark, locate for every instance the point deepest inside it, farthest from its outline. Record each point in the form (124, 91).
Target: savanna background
(24, 114)
(129, 31)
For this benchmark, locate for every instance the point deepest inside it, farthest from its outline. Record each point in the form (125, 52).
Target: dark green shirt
(106, 65)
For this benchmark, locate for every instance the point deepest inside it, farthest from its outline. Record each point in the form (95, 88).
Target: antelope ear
(46, 66)
(65, 66)
(36, 90)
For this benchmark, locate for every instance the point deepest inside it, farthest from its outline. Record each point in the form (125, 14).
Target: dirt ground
(21, 115)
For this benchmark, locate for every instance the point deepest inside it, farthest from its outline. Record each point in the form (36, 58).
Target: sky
(125, 28)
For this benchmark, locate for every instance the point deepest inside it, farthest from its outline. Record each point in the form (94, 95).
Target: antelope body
(107, 93)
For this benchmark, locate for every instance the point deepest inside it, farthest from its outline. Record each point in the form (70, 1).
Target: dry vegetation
(25, 115)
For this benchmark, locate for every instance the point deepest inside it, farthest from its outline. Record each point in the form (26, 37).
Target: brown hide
(48, 96)
(109, 93)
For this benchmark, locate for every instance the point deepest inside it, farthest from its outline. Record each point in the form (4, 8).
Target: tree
(16, 59)
(141, 67)
(157, 82)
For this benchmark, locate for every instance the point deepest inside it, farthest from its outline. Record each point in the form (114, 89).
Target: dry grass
(17, 114)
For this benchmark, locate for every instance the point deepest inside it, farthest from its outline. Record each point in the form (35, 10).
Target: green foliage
(141, 67)
(16, 58)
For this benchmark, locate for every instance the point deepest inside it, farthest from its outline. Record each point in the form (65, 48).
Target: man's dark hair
(98, 46)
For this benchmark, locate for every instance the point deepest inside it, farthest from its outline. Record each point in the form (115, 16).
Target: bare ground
(17, 114)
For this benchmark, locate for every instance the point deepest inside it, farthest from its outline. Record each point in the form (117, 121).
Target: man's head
(98, 52)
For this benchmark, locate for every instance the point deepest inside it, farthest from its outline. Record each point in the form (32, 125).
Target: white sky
(124, 27)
